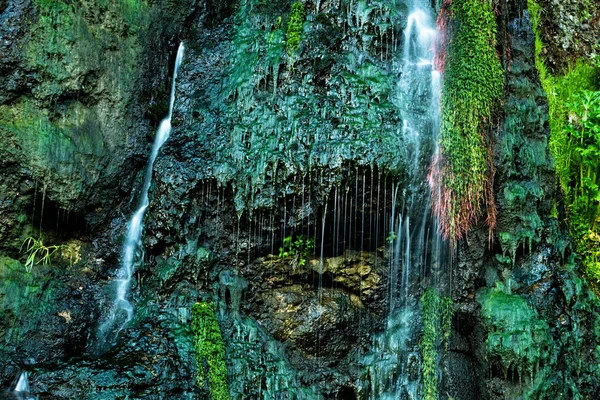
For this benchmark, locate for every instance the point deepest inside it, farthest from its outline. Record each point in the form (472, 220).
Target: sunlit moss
(437, 328)
(294, 28)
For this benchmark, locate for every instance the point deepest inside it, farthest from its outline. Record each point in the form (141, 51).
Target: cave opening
(49, 218)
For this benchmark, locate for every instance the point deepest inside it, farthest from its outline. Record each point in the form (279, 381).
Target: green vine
(437, 329)
(473, 83)
(210, 350)
(294, 28)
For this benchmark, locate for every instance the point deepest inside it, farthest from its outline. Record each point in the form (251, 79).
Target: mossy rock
(517, 337)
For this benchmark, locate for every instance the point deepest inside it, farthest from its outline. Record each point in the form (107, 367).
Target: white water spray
(22, 384)
(122, 310)
(22, 388)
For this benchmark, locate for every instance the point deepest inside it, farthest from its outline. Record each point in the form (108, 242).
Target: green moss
(27, 300)
(437, 328)
(472, 88)
(60, 149)
(210, 350)
(303, 127)
(517, 337)
(295, 26)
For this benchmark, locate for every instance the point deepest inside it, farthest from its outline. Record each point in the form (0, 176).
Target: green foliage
(574, 112)
(294, 28)
(447, 311)
(472, 88)
(300, 249)
(391, 237)
(210, 350)
(583, 196)
(437, 328)
(34, 249)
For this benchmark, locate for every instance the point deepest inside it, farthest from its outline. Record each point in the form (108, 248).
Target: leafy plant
(35, 249)
(391, 237)
(574, 117)
(208, 343)
(583, 195)
(299, 249)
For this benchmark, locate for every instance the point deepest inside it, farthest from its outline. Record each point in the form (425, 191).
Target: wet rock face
(75, 95)
(520, 282)
(355, 271)
(327, 322)
(322, 324)
(265, 143)
(569, 30)
(76, 82)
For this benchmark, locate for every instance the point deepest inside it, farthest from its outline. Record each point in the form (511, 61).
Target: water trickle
(43, 203)
(122, 310)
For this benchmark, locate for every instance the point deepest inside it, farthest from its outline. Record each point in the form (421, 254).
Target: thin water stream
(121, 312)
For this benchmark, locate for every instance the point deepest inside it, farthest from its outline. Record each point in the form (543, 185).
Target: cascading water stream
(122, 310)
(415, 246)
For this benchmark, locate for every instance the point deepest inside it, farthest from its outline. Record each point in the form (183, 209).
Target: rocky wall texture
(569, 31)
(83, 85)
(269, 142)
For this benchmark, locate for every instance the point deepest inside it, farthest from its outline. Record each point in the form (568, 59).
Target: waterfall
(122, 310)
(22, 388)
(22, 384)
(415, 247)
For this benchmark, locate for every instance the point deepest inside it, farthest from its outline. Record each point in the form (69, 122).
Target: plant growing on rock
(583, 195)
(437, 328)
(38, 253)
(574, 117)
(294, 28)
(461, 176)
(299, 249)
(210, 350)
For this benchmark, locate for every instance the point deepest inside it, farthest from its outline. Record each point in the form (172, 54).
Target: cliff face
(82, 86)
(271, 198)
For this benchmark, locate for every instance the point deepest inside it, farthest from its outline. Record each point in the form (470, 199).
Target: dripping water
(415, 249)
